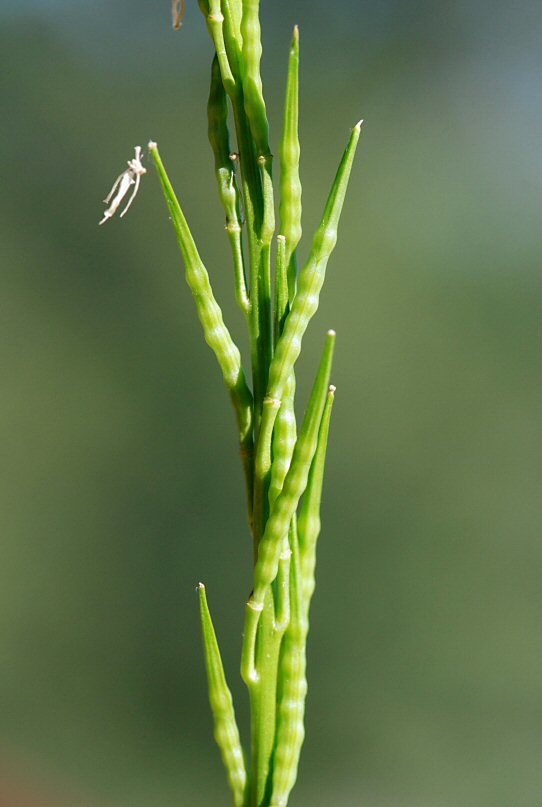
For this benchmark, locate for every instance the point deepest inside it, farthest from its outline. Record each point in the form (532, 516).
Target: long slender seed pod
(257, 116)
(293, 683)
(310, 283)
(312, 275)
(293, 690)
(284, 437)
(226, 731)
(295, 482)
(217, 117)
(284, 434)
(260, 645)
(290, 183)
(309, 523)
(216, 333)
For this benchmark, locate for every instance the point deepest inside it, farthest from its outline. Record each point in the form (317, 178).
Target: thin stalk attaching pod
(293, 690)
(217, 117)
(286, 504)
(215, 23)
(311, 280)
(225, 726)
(309, 523)
(290, 183)
(215, 331)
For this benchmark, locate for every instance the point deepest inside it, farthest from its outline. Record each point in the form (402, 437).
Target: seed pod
(215, 331)
(284, 508)
(290, 183)
(292, 691)
(309, 523)
(226, 731)
(311, 279)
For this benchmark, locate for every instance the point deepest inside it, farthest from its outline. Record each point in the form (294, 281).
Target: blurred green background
(119, 480)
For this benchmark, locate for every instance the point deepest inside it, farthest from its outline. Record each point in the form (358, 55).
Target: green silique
(283, 468)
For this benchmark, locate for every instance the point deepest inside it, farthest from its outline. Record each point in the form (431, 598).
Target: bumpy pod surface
(215, 331)
(225, 726)
(295, 482)
(290, 184)
(291, 709)
(309, 523)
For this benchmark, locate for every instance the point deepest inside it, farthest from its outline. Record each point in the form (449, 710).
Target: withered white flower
(177, 13)
(122, 184)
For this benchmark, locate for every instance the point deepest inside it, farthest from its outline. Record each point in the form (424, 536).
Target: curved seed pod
(216, 333)
(310, 282)
(290, 183)
(285, 433)
(217, 117)
(226, 731)
(295, 482)
(293, 682)
(293, 690)
(309, 514)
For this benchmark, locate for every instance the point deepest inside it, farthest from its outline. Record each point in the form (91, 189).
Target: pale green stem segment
(225, 726)
(309, 523)
(293, 690)
(310, 283)
(217, 116)
(284, 509)
(216, 333)
(290, 183)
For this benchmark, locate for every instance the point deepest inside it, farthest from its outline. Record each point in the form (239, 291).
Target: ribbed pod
(226, 732)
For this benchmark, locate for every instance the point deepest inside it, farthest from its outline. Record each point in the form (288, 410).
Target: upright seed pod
(293, 690)
(284, 509)
(284, 433)
(226, 731)
(293, 682)
(310, 283)
(290, 183)
(309, 523)
(216, 333)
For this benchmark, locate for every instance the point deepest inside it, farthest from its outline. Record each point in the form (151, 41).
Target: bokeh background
(120, 487)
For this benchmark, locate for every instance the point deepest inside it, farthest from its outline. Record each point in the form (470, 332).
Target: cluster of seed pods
(283, 468)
